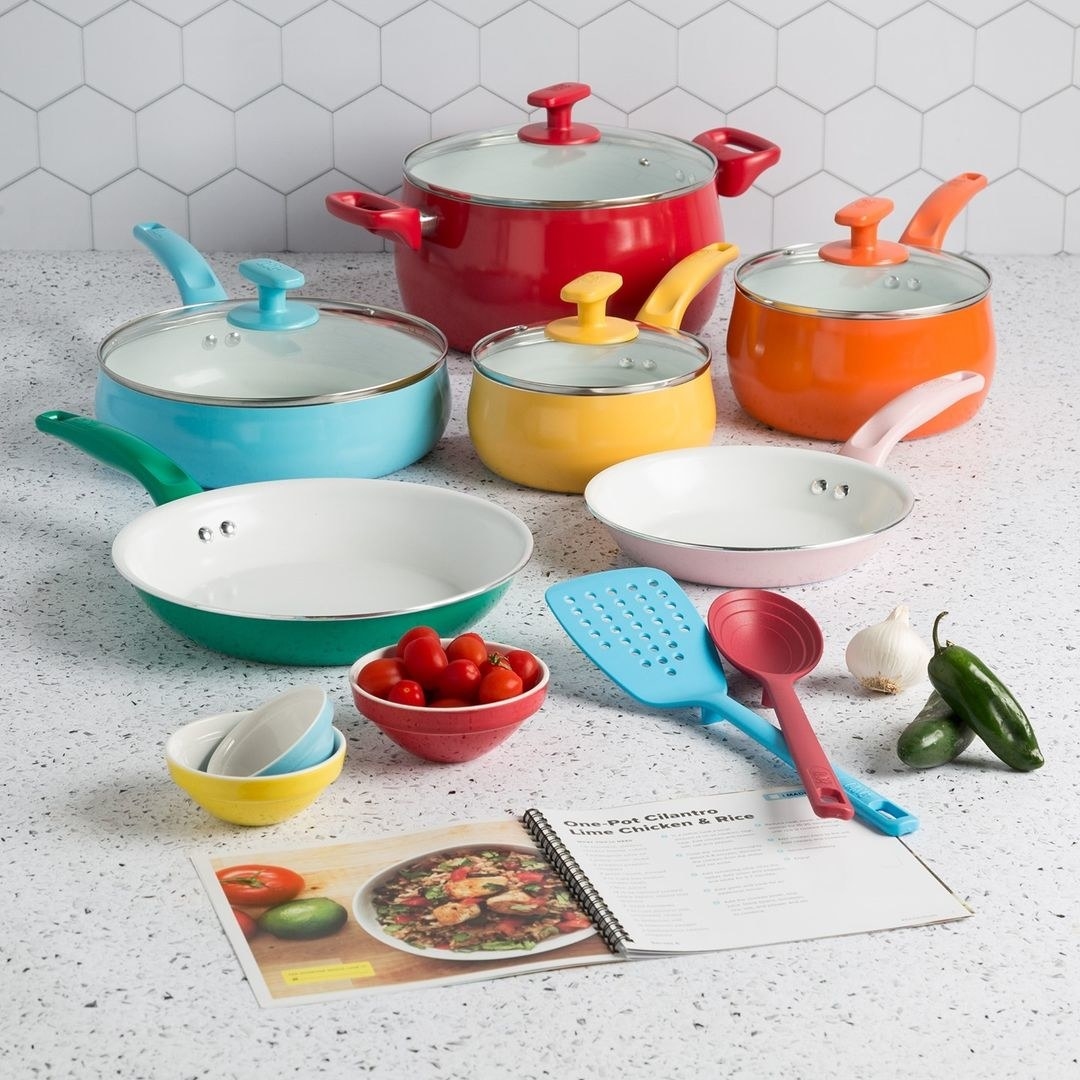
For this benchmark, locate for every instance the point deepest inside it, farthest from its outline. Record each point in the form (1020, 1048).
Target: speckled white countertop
(113, 963)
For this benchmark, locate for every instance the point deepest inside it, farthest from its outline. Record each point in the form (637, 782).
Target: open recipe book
(479, 900)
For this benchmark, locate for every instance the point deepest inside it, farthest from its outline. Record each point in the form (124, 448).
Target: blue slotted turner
(642, 630)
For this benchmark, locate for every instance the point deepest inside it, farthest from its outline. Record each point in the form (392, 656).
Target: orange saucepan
(821, 337)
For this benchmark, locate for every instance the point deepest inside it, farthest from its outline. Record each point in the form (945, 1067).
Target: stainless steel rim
(925, 312)
(499, 337)
(133, 329)
(427, 152)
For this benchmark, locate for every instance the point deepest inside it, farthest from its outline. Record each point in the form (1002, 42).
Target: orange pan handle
(931, 222)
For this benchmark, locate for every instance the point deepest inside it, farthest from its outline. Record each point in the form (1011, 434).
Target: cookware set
(265, 428)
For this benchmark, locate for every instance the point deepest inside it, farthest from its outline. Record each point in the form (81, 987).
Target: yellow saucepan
(551, 405)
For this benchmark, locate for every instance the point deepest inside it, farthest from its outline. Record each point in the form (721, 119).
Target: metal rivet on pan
(228, 528)
(840, 491)
(205, 534)
(232, 338)
(644, 161)
(819, 487)
(209, 341)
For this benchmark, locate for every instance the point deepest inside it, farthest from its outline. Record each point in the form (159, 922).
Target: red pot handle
(743, 157)
(559, 129)
(378, 214)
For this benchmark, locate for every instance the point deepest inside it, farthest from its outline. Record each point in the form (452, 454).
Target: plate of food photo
(472, 902)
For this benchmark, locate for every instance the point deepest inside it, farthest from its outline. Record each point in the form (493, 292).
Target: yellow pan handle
(667, 303)
(592, 325)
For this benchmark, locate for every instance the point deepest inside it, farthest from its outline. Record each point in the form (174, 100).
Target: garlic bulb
(888, 656)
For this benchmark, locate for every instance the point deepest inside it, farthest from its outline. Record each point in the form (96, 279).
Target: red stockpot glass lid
(863, 277)
(560, 163)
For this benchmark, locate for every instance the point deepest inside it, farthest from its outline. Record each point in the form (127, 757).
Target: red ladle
(775, 641)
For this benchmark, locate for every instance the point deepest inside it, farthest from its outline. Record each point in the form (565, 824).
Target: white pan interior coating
(748, 498)
(324, 548)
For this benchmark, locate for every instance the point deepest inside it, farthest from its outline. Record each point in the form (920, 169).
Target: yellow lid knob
(592, 325)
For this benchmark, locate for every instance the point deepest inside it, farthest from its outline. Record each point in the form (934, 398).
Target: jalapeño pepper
(980, 698)
(936, 736)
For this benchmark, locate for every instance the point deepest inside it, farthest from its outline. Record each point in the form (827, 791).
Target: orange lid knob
(864, 248)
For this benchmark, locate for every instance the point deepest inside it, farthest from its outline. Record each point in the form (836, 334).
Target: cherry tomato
(526, 665)
(498, 685)
(425, 661)
(460, 679)
(377, 676)
(248, 926)
(468, 646)
(412, 635)
(407, 692)
(494, 660)
(450, 703)
(258, 885)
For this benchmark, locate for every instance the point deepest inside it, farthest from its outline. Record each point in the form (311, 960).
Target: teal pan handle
(192, 273)
(869, 806)
(163, 479)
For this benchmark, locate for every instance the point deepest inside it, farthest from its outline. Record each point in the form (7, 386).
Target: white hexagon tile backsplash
(230, 120)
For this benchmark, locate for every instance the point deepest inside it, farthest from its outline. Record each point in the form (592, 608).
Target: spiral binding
(608, 927)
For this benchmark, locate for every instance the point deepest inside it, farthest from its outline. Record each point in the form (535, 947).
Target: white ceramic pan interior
(321, 548)
(767, 516)
(755, 516)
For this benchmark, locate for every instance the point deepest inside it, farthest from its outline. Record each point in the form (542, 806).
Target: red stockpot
(492, 224)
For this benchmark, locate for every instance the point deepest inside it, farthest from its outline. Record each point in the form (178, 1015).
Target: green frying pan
(308, 571)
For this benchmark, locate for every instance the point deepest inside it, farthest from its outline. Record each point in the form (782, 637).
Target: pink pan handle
(913, 408)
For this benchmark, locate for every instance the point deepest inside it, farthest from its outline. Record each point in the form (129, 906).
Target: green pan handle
(163, 479)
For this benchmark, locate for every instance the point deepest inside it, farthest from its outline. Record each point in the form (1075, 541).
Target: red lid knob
(559, 129)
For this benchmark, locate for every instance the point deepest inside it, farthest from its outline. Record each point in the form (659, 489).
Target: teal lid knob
(273, 311)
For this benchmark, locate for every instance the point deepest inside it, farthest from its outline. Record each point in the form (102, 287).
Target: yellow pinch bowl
(244, 800)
